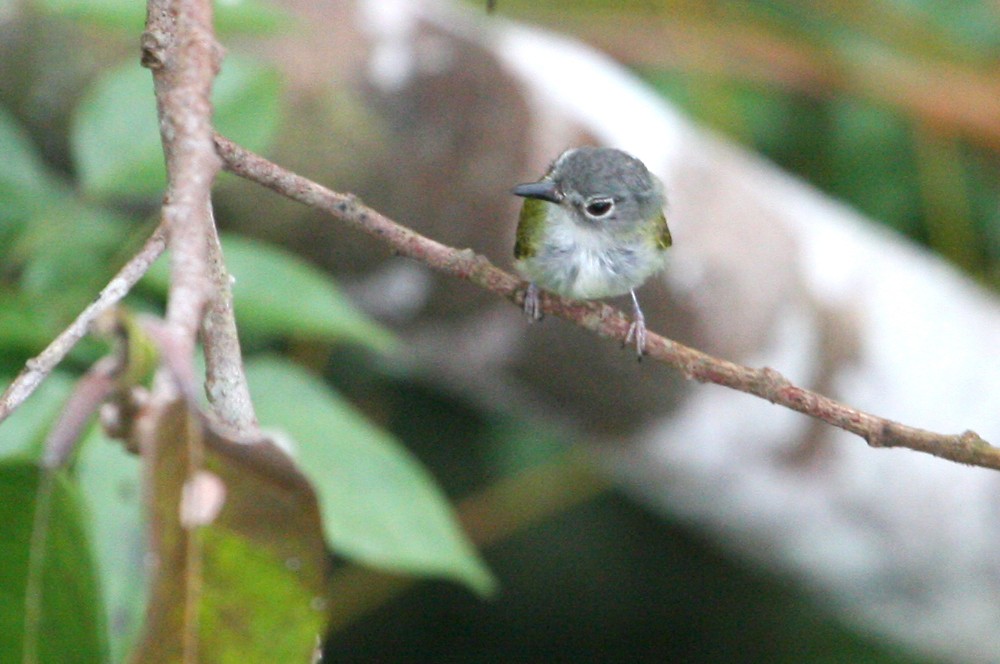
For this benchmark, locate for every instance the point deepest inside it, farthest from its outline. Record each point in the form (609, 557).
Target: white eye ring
(599, 207)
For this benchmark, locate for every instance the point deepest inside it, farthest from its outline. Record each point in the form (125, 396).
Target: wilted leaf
(71, 620)
(249, 586)
(380, 506)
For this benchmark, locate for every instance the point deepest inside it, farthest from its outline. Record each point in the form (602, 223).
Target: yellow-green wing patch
(663, 239)
(529, 228)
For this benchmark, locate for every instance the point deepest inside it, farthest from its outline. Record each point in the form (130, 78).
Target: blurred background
(912, 87)
(892, 106)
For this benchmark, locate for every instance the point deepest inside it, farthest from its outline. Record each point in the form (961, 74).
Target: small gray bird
(592, 227)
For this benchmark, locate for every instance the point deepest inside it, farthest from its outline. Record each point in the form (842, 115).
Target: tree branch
(968, 447)
(179, 47)
(37, 368)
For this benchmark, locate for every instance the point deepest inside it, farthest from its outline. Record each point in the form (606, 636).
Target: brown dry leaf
(249, 584)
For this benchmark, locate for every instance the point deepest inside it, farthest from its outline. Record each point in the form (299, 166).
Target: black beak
(545, 190)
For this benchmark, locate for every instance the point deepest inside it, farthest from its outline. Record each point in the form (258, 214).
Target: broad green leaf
(67, 253)
(25, 185)
(243, 577)
(251, 17)
(114, 135)
(247, 100)
(23, 432)
(63, 258)
(71, 622)
(243, 16)
(110, 482)
(121, 14)
(276, 293)
(25, 327)
(380, 507)
(116, 144)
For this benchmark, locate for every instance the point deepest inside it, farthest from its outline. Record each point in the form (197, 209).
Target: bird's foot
(637, 334)
(637, 330)
(532, 304)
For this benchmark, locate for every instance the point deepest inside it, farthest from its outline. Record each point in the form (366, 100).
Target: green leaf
(67, 253)
(250, 17)
(114, 135)
(71, 625)
(276, 293)
(244, 16)
(23, 432)
(25, 327)
(247, 100)
(121, 14)
(380, 507)
(109, 479)
(25, 185)
(115, 140)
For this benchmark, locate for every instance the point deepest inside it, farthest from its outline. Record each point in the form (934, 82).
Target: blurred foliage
(78, 190)
(891, 105)
(115, 140)
(402, 523)
(277, 295)
(243, 17)
(68, 624)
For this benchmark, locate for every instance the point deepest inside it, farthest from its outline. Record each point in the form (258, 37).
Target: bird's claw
(637, 334)
(532, 303)
(637, 330)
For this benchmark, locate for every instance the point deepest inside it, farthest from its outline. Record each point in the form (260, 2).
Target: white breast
(585, 261)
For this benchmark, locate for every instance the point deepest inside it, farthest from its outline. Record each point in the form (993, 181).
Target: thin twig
(37, 368)
(225, 380)
(968, 447)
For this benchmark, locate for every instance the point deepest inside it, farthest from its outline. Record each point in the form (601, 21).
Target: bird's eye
(599, 207)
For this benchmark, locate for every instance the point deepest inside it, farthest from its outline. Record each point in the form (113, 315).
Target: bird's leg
(532, 305)
(637, 330)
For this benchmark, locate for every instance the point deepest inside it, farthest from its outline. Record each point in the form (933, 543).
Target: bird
(592, 227)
